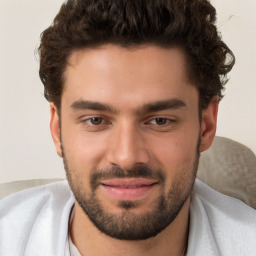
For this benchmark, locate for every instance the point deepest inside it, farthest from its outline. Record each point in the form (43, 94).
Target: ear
(55, 128)
(209, 124)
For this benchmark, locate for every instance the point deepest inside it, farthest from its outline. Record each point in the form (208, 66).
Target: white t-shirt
(35, 222)
(71, 249)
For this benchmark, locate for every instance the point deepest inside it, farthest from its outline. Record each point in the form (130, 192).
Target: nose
(127, 147)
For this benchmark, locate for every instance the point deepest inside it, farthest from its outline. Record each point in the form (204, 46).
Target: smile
(128, 189)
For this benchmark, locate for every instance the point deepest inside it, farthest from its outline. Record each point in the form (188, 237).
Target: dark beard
(128, 225)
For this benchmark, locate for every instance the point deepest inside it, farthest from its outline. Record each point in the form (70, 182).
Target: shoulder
(223, 225)
(212, 200)
(38, 214)
(41, 195)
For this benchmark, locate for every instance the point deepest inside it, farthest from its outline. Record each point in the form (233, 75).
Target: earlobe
(209, 124)
(55, 128)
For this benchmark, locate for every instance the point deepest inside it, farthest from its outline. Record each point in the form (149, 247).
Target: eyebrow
(161, 105)
(147, 108)
(84, 104)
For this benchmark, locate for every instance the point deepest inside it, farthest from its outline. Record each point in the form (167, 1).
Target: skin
(128, 80)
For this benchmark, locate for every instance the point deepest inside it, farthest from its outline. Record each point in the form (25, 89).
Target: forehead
(116, 57)
(145, 73)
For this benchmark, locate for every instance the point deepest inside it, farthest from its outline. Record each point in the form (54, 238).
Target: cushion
(230, 168)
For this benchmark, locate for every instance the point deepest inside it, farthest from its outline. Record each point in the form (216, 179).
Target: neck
(90, 241)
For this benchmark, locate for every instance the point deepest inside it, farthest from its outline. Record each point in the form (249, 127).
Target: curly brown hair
(189, 24)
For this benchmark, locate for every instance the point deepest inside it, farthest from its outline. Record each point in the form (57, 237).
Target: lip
(128, 189)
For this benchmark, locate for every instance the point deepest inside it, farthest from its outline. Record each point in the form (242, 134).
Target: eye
(95, 123)
(162, 124)
(160, 121)
(95, 120)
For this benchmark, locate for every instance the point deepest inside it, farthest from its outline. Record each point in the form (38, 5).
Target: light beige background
(26, 149)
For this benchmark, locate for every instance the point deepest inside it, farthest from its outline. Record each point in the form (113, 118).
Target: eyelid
(167, 117)
(91, 119)
(171, 123)
(104, 119)
(85, 117)
(86, 124)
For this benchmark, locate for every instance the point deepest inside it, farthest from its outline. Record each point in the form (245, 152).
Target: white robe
(34, 222)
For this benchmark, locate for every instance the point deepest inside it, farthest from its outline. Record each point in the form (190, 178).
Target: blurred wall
(26, 148)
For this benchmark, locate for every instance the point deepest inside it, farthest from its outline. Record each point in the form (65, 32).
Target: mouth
(128, 189)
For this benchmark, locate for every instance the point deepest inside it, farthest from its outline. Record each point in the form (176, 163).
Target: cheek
(174, 149)
(83, 151)
(176, 156)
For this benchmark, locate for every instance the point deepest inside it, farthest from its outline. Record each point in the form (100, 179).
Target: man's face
(130, 136)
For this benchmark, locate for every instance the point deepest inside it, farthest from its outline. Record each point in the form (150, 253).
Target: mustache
(137, 171)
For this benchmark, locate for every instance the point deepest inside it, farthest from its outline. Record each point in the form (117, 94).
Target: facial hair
(128, 225)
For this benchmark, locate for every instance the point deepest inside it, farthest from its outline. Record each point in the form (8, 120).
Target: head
(134, 88)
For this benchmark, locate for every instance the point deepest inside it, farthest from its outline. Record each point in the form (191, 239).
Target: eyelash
(104, 123)
(97, 119)
(167, 120)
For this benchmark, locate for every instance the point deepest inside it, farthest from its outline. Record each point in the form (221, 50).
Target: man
(133, 88)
